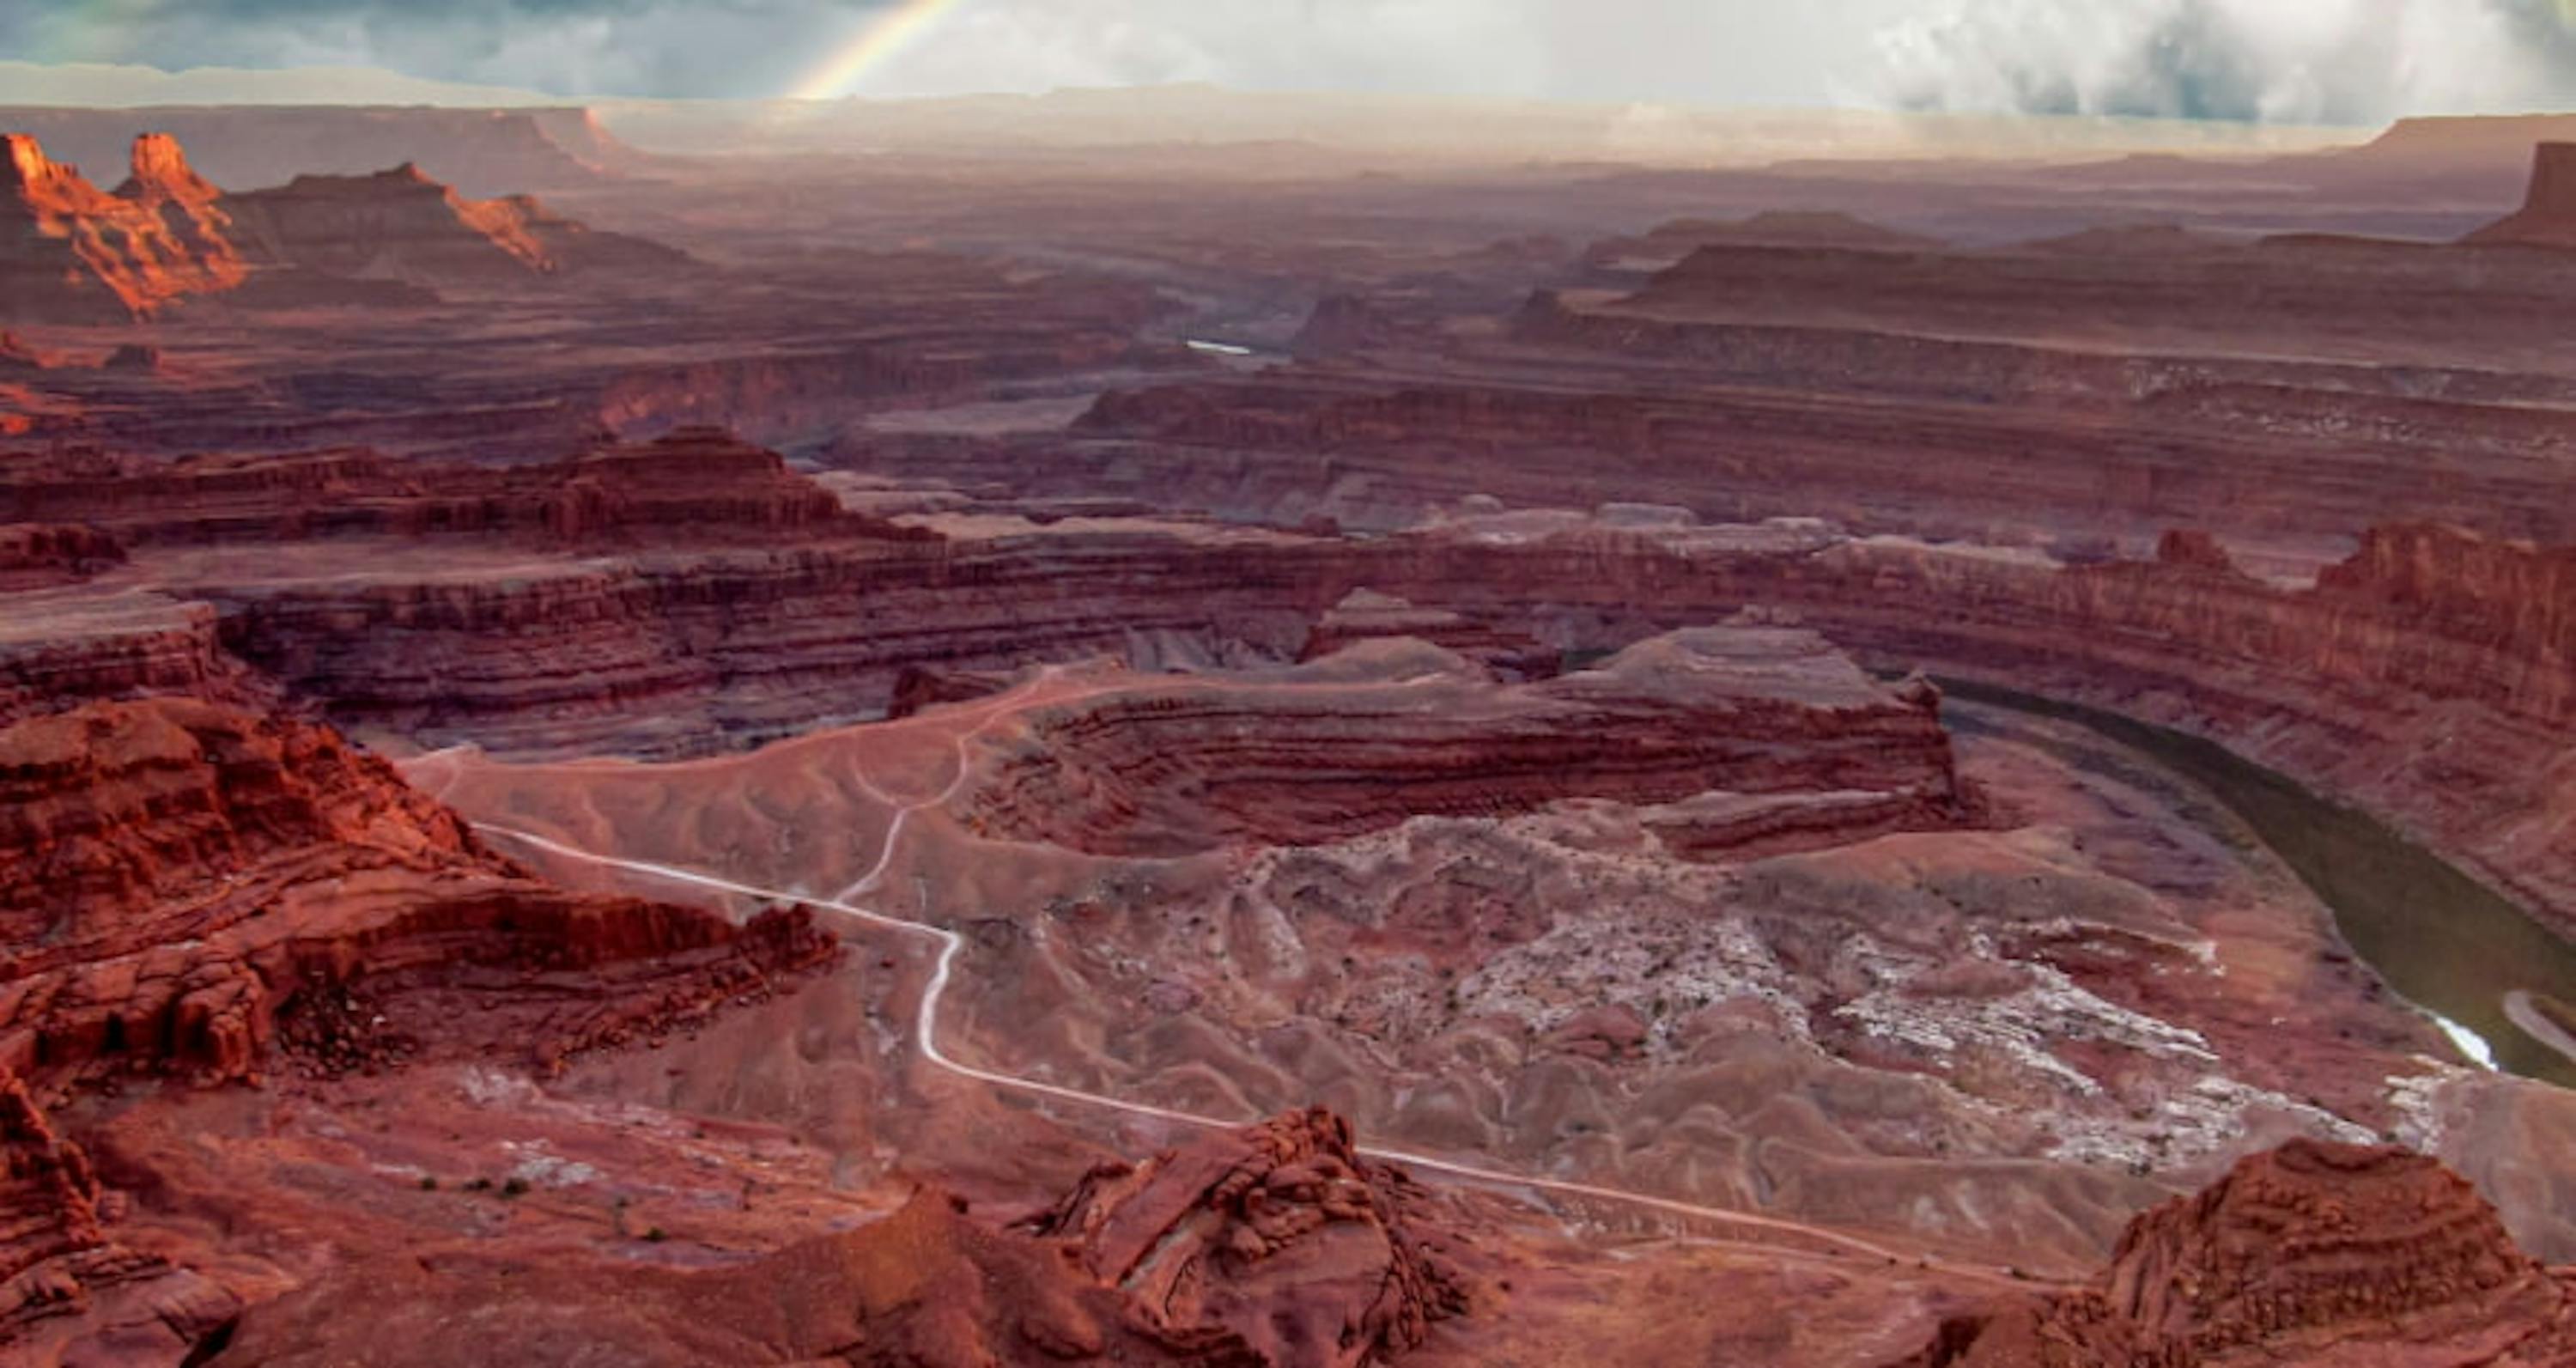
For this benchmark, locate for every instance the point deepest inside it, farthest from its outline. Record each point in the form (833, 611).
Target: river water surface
(2445, 941)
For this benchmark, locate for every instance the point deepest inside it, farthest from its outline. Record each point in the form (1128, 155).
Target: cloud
(569, 47)
(2316, 61)
(2334, 60)
(1714, 51)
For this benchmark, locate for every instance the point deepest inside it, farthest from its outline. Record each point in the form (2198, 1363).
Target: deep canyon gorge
(1279, 754)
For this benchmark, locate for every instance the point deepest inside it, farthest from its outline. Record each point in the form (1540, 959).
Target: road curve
(926, 1022)
(926, 1039)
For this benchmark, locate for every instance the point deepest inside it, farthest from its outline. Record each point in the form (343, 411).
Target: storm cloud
(2307, 61)
(2345, 61)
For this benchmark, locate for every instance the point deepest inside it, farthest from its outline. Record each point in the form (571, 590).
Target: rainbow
(883, 38)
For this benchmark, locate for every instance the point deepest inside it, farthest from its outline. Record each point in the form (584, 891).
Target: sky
(2340, 61)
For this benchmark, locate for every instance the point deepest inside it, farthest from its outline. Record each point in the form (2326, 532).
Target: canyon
(1130, 753)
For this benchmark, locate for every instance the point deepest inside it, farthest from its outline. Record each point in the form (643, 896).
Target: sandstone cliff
(2313, 1253)
(1391, 730)
(401, 224)
(38, 556)
(188, 887)
(72, 253)
(75, 254)
(2548, 215)
(695, 484)
(68, 1293)
(61, 651)
(2426, 678)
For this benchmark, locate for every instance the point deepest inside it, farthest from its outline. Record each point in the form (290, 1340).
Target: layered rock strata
(1279, 1236)
(70, 252)
(69, 1293)
(698, 485)
(73, 253)
(2426, 677)
(1396, 729)
(2313, 1253)
(2548, 214)
(1365, 615)
(403, 224)
(41, 556)
(189, 886)
(1275, 1247)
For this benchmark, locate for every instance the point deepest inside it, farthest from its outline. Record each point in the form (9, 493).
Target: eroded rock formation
(70, 252)
(2313, 1253)
(403, 224)
(1395, 729)
(1365, 615)
(188, 885)
(73, 253)
(39, 556)
(68, 1293)
(697, 485)
(2548, 215)
(1275, 1247)
(1280, 1236)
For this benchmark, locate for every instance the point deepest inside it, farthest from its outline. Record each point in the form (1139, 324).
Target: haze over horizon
(2287, 61)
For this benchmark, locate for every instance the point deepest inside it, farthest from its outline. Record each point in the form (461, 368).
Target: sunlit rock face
(76, 254)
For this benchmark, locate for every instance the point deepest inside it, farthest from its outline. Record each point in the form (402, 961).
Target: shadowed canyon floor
(1208, 760)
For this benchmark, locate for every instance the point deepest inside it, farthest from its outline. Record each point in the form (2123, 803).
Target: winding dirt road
(926, 1031)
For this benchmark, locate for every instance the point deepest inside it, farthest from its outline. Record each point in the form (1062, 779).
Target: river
(2442, 939)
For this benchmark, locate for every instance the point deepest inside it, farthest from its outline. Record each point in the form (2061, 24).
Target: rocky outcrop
(2548, 214)
(60, 651)
(403, 225)
(1365, 615)
(918, 689)
(188, 887)
(1668, 243)
(1279, 1236)
(187, 205)
(687, 654)
(2313, 1253)
(133, 358)
(1274, 1247)
(69, 1294)
(37, 555)
(1349, 324)
(1397, 729)
(397, 222)
(2503, 612)
(72, 253)
(2314, 288)
(927, 1285)
(696, 484)
(1760, 418)
(2426, 679)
